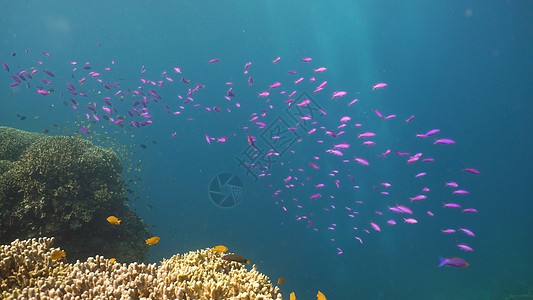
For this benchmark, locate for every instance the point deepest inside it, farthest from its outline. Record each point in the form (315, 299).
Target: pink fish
(43, 92)
(444, 141)
(306, 59)
(304, 103)
(275, 85)
(361, 161)
(448, 231)
(321, 69)
(461, 192)
(264, 94)
(455, 262)
(470, 210)
(338, 94)
(276, 60)
(345, 119)
(315, 196)
(341, 146)
(208, 139)
(472, 170)
(410, 220)
(314, 166)
(467, 231)
(335, 152)
(375, 226)
(418, 198)
(250, 140)
(352, 102)
(379, 86)
(452, 184)
(451, 205)
(213, 60)
(465, 247)
(366, 135)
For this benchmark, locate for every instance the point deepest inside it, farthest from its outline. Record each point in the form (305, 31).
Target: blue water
(461, 66)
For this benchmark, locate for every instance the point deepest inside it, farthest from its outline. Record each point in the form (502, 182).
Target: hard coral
(66, 187)
(198, 274)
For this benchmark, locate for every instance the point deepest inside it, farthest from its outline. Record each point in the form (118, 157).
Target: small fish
(444, 141)
(112, 260)
(58, 254)
(338, 94)
(250, 140)
(281, 280)
(220, 248)
(292, 296)
(455, 262)
(320, 296)
(43, 92)
(472, 170)
(361, 161)
(152, 241)
(236, 258)
(113, 220)
(213, 60)
(379, 86)
(375, 226)
(465, 247)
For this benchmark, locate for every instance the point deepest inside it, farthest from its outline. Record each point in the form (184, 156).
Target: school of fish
(340, 148)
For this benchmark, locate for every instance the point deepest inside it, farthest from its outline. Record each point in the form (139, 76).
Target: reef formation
(66, 187)
(27, 271)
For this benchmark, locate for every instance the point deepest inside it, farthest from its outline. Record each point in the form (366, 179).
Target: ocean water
(463, 67)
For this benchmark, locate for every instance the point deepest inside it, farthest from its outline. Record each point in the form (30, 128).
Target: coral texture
(66, 187)
(27, 272)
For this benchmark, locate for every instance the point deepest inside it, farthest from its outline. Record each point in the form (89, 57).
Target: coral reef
(66, 187)
(27, 271)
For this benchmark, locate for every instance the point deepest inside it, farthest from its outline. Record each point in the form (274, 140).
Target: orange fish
(293, 296)
(320, 296)
(113, 220)
(220, 248)
(281, 280)
(152, 241)
(112, 260)
(58, 254)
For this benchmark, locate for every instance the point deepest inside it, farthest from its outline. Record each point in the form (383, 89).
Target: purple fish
(455, 262)
(461, 192)
(452, 205)
(379, 86)
(472, 170)
(48, 73)
(6, 67)
(444, 141)
(465, 247)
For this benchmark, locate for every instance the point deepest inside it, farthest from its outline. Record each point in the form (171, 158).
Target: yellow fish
(113, 220)
(153, 240)
(281, 280)
(320, 296)
(293, 296)
(112, 260)
(58, 254)
(220, 248)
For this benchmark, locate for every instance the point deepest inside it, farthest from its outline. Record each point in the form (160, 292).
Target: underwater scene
(266, 149)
